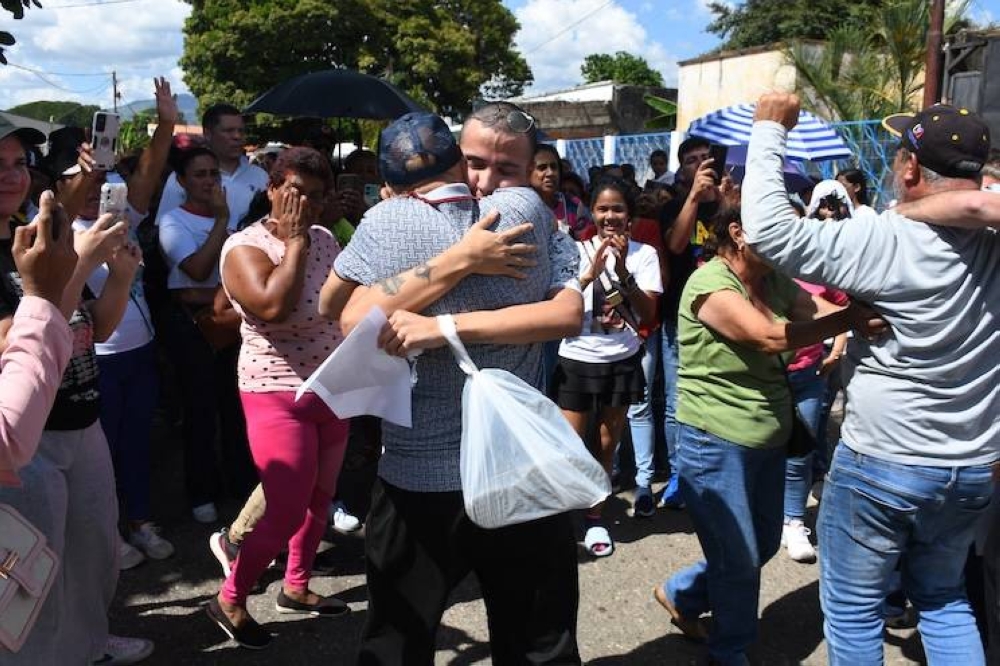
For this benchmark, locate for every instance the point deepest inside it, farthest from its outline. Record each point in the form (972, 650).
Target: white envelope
(359, 378)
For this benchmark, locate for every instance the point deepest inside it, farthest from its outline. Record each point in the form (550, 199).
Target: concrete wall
(710, 83)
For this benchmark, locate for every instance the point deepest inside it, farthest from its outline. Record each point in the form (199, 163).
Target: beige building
(714, 81)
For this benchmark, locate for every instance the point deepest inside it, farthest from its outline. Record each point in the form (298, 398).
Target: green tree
(64, 113)
(666, 113)
(874, 70)
(134, 134)
(15, 7)
(759, 22)
(441, 52)
(622, 67)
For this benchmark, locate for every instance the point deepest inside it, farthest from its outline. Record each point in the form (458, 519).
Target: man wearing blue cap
(423, 251)
(912, 474)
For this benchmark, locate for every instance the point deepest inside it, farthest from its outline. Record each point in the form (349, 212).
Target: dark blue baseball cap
(415, 148)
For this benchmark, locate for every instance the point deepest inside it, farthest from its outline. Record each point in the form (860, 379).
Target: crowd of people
(705, 325)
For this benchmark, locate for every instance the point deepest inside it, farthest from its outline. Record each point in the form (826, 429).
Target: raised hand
(166, 105)
(704, 187)
(124, 262)
(496, 253)
(779, 107)
(43, 251)
(219, 205)
(97, 244)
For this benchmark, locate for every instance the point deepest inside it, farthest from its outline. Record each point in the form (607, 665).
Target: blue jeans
(807, 391)
(640, 416)
(668, 355)
(875, 513)
(130, 384)
(733, 494)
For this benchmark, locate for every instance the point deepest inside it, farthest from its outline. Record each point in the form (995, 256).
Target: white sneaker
(205, 513)
(343, 521)
(121, 651)
(795, 537)
(147, 539)
(128, 557)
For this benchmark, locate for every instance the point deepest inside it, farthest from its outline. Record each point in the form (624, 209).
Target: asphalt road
(619, 621)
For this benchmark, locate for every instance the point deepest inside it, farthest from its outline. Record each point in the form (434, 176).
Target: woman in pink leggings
(273, 271)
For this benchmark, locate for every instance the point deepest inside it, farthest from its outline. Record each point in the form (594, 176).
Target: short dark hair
(690, 143)
(500, 110)
(659, 152)
(213, 114)
(857, 177)
(183, 158)
(303, 161)
(619, 186)
(549, 148)
(356, 156)
(720, 237)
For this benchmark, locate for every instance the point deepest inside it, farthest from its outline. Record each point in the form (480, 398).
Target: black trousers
(419, 546)
(209, 394)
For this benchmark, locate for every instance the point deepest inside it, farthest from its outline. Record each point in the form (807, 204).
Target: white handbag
(27, 569)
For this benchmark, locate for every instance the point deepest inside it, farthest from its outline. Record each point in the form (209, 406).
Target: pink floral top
(279, 356)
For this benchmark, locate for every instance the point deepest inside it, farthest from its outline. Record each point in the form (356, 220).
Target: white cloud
(555, 45)
(138, 40)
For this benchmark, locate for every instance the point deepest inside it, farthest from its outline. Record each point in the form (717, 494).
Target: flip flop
(598, 542)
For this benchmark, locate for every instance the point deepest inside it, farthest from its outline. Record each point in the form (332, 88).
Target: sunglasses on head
(491, 113)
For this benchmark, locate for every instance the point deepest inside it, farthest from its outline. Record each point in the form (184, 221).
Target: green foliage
(63, 113)
(134, 134)
(666, 110)
(622, 67)
(15, 7)
(760, 22)
(441, 52)
(873, 70)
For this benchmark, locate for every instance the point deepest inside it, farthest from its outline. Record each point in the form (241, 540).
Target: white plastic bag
(520, 458)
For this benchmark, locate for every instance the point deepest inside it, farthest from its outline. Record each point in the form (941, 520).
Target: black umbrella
(335, 93)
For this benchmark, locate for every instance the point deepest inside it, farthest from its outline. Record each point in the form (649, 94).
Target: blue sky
(71, 46)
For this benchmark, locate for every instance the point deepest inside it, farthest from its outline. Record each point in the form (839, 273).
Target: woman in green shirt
(734, 417)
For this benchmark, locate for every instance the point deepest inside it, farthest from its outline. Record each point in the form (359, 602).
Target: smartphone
(718, 154)
(349, 181)
(372, 195)
(114, 199)
(104, 139)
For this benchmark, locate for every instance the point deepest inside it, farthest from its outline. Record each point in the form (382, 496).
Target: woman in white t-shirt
(600, 370)
(202, 336)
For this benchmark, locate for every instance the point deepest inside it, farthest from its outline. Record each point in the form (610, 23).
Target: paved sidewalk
(620, 622)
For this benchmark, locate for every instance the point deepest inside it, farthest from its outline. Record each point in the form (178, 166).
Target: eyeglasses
(491, 113)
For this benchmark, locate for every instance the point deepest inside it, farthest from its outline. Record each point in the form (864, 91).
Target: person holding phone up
(67, 489)
(684, 222)
(129, 378)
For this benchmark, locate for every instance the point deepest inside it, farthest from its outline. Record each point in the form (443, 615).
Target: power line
(49, 82)
(91, 4)
(568, 28)
(44, 73)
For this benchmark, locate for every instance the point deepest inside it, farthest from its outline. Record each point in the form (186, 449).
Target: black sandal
(325, 607)
(249, 634)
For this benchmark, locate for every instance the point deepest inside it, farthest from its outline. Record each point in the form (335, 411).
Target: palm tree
(871, 70)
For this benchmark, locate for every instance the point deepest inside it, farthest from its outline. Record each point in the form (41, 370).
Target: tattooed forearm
(423, 271)
(391, 285)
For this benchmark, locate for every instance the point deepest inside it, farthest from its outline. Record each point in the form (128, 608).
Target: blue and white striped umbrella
(812, 139)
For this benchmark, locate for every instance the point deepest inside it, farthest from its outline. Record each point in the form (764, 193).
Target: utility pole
(932, 69)
(114, 90)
